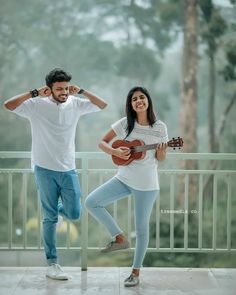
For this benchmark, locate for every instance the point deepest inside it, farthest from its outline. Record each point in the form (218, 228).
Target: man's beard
(58, 100)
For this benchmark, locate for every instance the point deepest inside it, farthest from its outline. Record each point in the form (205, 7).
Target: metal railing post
(84, 217)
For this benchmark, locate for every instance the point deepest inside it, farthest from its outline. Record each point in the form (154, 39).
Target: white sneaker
(131, 281)
(114, 246)
(55, 272)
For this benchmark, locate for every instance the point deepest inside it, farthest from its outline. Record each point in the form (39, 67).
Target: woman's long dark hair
(132, 115)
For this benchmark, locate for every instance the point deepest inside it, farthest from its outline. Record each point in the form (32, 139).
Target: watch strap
(81, 91)
(34, 93)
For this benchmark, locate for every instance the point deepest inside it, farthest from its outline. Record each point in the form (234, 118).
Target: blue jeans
(114, 190)
(53, 185)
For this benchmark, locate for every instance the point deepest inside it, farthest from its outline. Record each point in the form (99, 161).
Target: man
(53, 113)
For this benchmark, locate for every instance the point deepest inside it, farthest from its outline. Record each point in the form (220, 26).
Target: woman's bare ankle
(120, 238)
(135, 272)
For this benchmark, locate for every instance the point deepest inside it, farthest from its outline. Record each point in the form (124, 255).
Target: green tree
(213, 28)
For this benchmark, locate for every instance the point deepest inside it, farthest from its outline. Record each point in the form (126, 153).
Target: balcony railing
(191, 197)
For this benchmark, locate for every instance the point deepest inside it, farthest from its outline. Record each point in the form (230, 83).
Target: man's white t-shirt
(141, 174)
(53, 127)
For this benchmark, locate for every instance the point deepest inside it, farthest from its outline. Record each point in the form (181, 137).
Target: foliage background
(109, 46)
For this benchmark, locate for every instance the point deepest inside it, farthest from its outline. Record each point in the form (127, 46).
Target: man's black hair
(57, 75)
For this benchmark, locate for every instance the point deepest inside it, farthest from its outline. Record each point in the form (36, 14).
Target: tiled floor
(102, 281)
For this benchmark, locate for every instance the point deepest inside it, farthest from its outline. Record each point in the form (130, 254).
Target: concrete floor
(102, 281)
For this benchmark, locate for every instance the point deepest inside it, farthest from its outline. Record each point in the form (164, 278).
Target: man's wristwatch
(34, 93)
(81, 91)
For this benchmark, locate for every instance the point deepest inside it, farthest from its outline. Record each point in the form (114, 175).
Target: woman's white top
(141, 174)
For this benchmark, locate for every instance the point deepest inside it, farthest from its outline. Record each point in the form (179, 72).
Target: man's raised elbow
(103, 106)
(7, 106)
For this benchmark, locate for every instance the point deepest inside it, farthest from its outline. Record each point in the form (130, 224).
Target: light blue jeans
(114, 190)
(59, 194)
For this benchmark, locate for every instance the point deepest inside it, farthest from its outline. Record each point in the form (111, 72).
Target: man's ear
(47, 91)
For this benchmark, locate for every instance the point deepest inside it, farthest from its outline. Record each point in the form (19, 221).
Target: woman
(139, 178)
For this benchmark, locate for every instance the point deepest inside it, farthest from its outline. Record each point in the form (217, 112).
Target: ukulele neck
(145, 147)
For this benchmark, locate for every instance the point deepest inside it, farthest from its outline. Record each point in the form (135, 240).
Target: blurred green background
(110, 46)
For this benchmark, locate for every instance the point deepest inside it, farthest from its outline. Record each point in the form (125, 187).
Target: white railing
(171, 175)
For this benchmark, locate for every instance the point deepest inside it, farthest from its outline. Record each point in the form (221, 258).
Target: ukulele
(138, 149)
